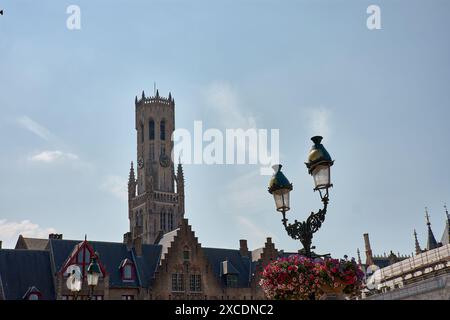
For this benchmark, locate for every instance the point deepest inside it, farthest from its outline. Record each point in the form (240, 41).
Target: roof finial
(85, 237)
(427, 216)
(446, 211)
(143, 94)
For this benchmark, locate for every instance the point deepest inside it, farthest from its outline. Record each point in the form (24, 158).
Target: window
(127, 297)
(142, 132)
(196, 283)
(162, 130)
(171, 221)
(151, 129)
(177, 282)
(232, 281)
(152, 151)
(128, 272)
(186, 254)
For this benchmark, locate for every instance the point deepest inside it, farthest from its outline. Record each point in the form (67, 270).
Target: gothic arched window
(151, 129)
(162, 130)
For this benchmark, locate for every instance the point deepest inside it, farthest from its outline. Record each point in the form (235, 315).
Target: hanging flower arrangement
(299, 278)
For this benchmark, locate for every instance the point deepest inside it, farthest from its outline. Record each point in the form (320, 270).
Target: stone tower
(155, 193)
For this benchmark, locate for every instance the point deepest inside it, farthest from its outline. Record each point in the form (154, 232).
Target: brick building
(159, 258)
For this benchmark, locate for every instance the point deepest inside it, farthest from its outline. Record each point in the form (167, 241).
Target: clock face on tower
(140, 162)
(164, 160)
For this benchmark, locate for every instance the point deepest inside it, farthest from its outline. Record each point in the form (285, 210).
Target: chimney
(137, 243)
(369, 257)
(243, 249)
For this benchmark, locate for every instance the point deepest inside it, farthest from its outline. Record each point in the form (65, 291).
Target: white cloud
(52, 156)
(223, 98)
(245, 191)
(10, 231)
(117, 186)
(255, 235)
(34, 127)
(319, 120)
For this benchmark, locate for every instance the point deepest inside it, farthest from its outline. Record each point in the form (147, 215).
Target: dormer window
(32, 294)
(127, 270)
(83, 256)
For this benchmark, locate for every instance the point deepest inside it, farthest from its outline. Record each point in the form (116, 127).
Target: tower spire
(446, 236)
(416, 242)
(359, 257)
(369, 257)
(431, 243)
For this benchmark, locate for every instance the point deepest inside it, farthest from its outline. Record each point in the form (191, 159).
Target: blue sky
(380, 98)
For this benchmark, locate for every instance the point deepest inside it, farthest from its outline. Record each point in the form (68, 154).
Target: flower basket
(299, 278)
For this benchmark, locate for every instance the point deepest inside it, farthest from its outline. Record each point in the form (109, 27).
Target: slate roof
(34, 243)
(381, 262)
(22, 269)
(446, 235)
(111, 255)
(241, 264)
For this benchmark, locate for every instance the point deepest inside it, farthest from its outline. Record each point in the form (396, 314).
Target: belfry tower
(155, 192)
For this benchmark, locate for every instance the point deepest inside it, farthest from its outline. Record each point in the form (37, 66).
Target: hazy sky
(380, 98)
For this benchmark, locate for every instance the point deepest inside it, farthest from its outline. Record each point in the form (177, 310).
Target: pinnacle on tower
(180, 174)
(135, 100)
(418, 249)
(143, 94)
(170, 96)
(157, 93)
(359, 257)
(131, 177)
(431, 243)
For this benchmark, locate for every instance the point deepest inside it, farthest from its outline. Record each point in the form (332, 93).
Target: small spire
(131, 177)
(85, 237)
(143, 94)
(416, 242)
(135, 100)
(157, 93)
(359, 256)
(446, 212)
(431, 243)
(180, 174)
(170, 96)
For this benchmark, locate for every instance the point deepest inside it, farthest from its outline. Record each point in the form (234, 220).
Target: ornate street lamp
(319, 164)
(93, 274)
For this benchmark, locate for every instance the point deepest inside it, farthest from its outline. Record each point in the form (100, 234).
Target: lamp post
(93, 274)
(319, 164)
